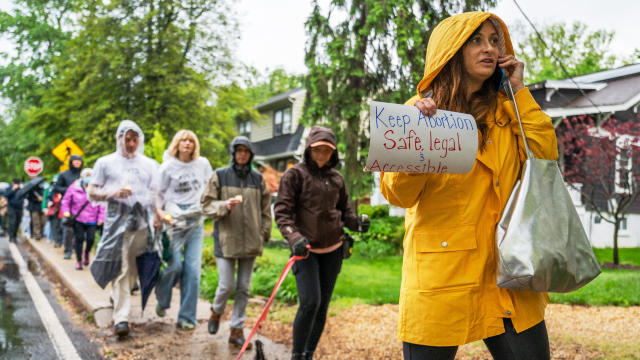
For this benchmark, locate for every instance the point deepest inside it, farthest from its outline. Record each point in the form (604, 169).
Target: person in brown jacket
(311, 209)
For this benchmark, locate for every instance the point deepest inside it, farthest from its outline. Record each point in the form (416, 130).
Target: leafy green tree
(151, 61)
(580, 51)
(358, 50)
(40, 30)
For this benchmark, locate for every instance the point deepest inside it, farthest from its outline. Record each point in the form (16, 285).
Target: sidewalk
(96, 301)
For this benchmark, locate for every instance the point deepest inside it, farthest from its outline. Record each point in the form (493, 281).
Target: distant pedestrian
(3, 214)
(53, 213)
(65, 179)
(181, 180)
(125, 180)
(238, 200)
(14, 210)
(84, 215)
(34, 206)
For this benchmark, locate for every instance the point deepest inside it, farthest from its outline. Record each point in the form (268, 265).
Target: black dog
(259, 351)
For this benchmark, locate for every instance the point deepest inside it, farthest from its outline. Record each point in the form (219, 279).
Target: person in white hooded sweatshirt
(124, 179)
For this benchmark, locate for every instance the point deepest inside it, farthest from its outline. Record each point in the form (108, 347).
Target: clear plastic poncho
(180, 186)
(133, 172)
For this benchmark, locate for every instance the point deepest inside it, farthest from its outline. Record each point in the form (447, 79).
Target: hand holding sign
(405, 140)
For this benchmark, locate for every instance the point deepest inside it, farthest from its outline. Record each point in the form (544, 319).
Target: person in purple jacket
(85, 215)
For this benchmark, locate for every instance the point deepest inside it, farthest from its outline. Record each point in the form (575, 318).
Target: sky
(273, 30)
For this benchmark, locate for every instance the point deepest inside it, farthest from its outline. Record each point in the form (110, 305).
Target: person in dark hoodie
(238, 200)
(14, 210)
(65, 179)
(311, 210)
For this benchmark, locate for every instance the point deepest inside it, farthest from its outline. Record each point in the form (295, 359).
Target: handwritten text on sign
(405, 140)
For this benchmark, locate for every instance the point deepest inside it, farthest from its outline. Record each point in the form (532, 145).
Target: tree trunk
(616, 228)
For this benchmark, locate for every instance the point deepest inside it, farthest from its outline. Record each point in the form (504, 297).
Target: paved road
(22, 333)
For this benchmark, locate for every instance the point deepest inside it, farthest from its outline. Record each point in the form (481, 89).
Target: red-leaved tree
(603, 162)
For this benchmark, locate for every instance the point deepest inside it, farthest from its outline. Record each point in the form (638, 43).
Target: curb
(102, 311)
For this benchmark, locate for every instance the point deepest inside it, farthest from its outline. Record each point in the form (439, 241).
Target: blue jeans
(187, 271)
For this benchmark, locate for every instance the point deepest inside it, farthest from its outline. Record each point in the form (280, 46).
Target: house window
(282, 121)
(244, 127)
(623, 224)
(597, 219)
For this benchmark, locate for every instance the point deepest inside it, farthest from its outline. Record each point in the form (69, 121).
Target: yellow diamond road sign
(65, 150)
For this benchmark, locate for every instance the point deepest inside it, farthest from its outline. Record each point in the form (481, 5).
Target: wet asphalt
(22, 334)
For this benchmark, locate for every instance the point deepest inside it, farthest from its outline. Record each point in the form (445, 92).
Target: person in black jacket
(14, 210)
(34, 206)
(65, 179)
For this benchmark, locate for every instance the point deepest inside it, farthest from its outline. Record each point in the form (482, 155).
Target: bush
(208, 282)
(265, 275)
(385, 235)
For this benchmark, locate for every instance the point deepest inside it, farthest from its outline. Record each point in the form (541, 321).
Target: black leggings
(315, 277)
(82, 233)
(531, 344)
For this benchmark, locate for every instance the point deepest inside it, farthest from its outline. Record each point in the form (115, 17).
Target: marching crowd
(132, 201)
(448, 295)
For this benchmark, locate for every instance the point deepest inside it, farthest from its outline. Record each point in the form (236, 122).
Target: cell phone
(498, 77)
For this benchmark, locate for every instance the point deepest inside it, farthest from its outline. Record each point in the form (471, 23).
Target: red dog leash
(287, 267)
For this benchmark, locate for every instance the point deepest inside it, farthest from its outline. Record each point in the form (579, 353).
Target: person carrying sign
(311, 209)
(449, 295)
(125, 180)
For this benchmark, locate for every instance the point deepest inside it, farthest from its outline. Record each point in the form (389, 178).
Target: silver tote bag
(542, 245)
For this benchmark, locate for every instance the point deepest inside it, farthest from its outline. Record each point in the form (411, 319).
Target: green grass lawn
(377, 281)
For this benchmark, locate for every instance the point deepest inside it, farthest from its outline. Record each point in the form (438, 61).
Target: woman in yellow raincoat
(449, 295)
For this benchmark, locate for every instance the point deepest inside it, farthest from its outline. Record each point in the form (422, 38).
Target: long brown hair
(449, 92)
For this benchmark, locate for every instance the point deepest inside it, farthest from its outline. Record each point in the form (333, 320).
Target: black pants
(67, 238)
(315, 277)
(531, 344)
(14, 216)
(83, 233)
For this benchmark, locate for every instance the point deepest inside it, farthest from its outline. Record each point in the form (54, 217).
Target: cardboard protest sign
(405, 140)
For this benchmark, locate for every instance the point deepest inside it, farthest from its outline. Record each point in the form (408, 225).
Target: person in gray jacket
(238, 200)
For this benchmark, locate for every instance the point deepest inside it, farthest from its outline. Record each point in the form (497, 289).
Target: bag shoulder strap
(509, 90)
(74, 216)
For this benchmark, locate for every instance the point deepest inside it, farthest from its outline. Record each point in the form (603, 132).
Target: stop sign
(33, 166)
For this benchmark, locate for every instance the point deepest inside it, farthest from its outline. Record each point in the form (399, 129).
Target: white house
(609, 93)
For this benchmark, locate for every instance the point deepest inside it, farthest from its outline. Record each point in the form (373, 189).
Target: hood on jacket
(320, 133)
(240, 140)
(75, 157)
(449, 37)
(123, 128)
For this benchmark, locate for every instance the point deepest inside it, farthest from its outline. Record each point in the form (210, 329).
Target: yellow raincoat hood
(449, 36)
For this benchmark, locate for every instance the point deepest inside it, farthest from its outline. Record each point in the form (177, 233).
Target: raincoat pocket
(443, 258)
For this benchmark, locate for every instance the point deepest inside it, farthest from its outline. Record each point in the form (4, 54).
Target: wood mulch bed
(369, 332)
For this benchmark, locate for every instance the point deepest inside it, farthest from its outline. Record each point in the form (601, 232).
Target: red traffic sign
(33, 166)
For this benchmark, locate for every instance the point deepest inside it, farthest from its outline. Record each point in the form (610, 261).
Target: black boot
(214, 322)
(297, 356)
(307, 355)
(121, 329)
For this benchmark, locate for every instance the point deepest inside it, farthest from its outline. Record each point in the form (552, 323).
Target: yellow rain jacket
(449, 295)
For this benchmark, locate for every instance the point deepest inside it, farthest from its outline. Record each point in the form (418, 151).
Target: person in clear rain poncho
(124, 179)
(180, 181)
